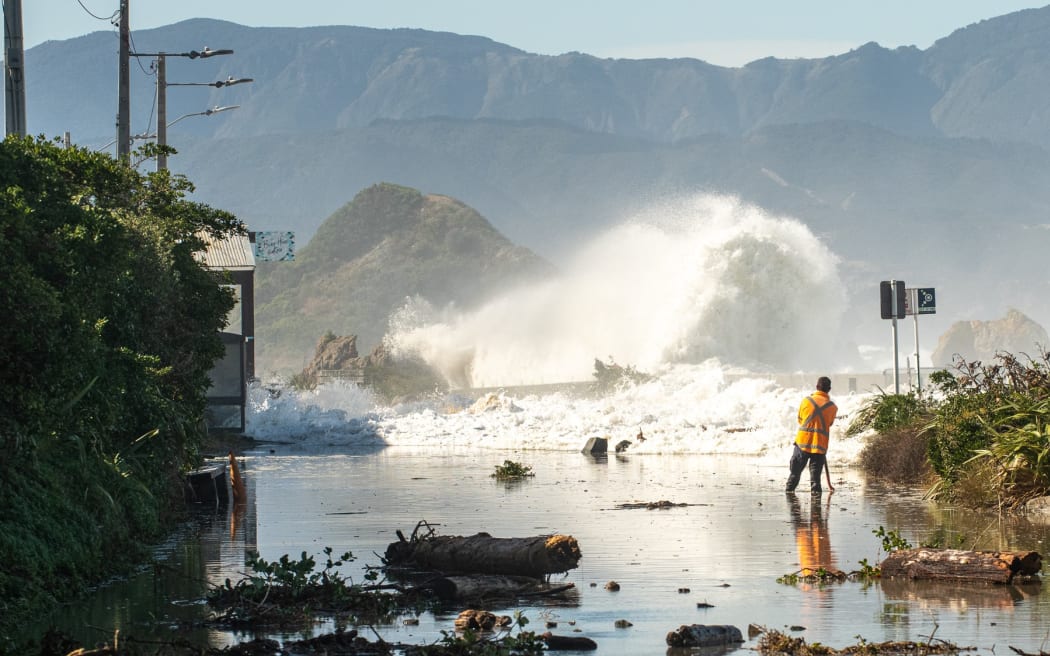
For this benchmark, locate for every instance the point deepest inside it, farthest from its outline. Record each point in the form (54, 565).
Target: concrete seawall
(841, 383)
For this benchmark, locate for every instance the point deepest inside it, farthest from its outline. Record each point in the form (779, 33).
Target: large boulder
(391, 377)
(333, 352)
(981, 340)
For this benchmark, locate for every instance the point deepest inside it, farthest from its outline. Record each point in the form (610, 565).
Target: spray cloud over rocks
(698, 278)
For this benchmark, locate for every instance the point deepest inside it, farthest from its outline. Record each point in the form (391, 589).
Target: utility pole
(14, 68)
(123, 87)
(162, 112)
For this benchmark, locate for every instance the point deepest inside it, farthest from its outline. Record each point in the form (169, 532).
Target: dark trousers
(798, 462)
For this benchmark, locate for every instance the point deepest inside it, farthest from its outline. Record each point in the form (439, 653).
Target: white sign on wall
(274, 246)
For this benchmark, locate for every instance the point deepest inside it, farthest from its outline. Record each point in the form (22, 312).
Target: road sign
(892, 299)
(927, 300)
(920, 300)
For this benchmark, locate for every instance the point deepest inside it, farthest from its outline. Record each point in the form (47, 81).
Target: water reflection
(811, 535)
(729, 544)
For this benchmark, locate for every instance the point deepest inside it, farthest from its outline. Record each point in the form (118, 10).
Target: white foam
(686, 409)
(693, 292)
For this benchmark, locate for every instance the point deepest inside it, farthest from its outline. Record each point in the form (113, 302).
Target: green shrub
(511, 470)
(886, 412)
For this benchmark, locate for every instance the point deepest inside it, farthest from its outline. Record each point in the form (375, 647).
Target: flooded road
(738, 535)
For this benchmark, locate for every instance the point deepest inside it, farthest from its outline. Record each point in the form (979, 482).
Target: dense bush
(110, 328)
(886, 412)
(985, 429)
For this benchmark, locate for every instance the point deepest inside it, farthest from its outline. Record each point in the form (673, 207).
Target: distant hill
(928, 165)
(388, 244)
(990, 79)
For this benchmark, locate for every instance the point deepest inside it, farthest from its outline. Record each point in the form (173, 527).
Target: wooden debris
(480, 620)
(655, 505)
(477, 587)
(483, 554)
(776, 643)
(960, 565)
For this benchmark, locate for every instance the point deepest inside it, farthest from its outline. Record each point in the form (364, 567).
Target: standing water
(705, 306)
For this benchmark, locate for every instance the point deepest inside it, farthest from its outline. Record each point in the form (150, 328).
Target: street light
(228, 82)
(163, 84)
(145, 136)
(207, 112)
(122, 130)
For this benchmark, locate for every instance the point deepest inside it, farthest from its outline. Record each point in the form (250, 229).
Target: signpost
(892, 301)
(919, 300)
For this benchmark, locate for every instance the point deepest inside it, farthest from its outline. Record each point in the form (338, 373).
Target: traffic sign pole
(895, 299)
(918, 367)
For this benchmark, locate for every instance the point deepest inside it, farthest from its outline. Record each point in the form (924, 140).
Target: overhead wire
(109, 18)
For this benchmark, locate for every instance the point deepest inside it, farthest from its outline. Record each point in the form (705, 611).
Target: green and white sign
(920, 300)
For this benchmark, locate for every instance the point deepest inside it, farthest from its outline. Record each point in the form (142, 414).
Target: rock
(1038, 506)
(571, 643)
(612, 585)
(622, 624)
(622, 445)
(596, 445)
(480, 620)
(980, 340)
(703, 635)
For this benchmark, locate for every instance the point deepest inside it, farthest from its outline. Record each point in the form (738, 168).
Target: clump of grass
(898, 455)
(511, 471)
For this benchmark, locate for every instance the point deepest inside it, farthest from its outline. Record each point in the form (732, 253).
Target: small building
(228, 394)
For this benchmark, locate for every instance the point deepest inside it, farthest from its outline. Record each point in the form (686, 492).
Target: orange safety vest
(815, 416)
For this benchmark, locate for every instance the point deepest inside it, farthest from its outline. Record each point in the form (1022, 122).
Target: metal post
(14, 68)
(123, 87)
(162, 113)
(896, 361)
(918, 366)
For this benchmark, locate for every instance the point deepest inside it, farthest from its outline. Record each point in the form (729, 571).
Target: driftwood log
(960, 565)
(483, 554)
(482, 587)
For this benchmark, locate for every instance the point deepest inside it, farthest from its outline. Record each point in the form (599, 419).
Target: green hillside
(388, 244)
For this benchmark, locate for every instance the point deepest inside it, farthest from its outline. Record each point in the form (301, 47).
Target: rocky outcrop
(390, 377)
(980, 340)
(334, 353)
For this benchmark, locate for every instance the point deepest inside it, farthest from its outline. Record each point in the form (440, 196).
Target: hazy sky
(724, 32)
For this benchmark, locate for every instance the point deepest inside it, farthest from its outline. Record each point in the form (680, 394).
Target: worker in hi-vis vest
(816, 413)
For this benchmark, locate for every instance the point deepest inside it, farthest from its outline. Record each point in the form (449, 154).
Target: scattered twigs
(655, 505)
(774, 642)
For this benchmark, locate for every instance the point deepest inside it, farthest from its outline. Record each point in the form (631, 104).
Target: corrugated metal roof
(230, 254)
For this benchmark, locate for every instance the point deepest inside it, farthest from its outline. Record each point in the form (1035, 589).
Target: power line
(112, 17)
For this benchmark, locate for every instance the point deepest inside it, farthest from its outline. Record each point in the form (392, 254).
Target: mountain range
(924, 165)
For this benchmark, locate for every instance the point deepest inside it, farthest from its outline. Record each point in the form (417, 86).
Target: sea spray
(705, 277)
(706, 295)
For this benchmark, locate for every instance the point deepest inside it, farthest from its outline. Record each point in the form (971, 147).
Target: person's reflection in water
(811, 537)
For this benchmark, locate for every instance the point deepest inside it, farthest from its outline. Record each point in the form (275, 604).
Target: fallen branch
(483, 554)
(481, 587)
(959, 565)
